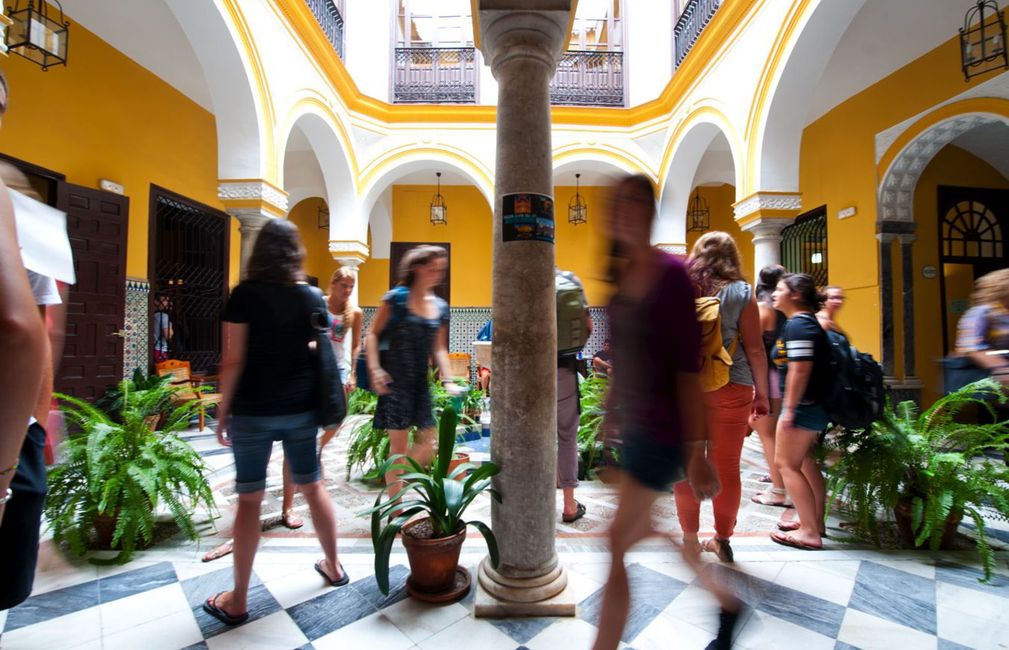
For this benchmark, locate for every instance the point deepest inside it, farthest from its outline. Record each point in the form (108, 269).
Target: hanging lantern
(323, 217)
(439, 211)
(982, 40)
(578, 211)
(698, 214)
(36, 35)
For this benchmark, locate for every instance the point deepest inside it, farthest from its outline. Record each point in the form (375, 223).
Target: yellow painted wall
(581, 249)
(318, 261)
(951, 166)
(104, 116)
(720, 199)
(837, 168)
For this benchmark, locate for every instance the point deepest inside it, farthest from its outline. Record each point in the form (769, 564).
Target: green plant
(590, 443)
(124, 470)
(361, 402)
(932, 461)
(158, 388)
(441, 496)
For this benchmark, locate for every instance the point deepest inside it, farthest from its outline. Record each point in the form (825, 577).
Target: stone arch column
(765, 215)
(253, 203)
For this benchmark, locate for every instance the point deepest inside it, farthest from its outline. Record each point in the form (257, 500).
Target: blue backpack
(399, 309)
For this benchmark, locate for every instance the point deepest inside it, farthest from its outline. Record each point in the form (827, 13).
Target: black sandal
(579, 513)
(720, 547)
(211, 607)
(344, 579)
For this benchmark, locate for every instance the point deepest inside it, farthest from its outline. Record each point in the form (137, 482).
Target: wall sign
(929, 272)
(527, 217)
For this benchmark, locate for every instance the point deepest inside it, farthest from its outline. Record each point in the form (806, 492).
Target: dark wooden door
(398, 249)
(93, 353)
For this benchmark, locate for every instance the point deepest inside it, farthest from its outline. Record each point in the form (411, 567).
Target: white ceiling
(989, 142)
(885, 36)
(147, 32)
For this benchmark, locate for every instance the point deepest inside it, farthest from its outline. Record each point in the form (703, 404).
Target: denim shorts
(651, 463)
(811, 417)
(252, 439)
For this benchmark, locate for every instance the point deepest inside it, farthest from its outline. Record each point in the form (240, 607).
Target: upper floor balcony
(330, 17)
(435, 75)
(695, 17)
(588, 78)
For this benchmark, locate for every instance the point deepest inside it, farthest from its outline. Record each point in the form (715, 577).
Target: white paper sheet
(42, 236)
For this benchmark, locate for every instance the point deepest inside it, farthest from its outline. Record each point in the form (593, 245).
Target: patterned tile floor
(843, 597)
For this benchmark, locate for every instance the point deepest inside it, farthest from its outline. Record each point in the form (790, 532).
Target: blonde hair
(714, 262)
(991, 289)
(343, 273)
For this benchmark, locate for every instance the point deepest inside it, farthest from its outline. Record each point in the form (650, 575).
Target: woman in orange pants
(714, 267)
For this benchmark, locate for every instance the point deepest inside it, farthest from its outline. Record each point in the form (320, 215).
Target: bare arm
(797, 378)
(441, 352)
(236, 339)
(379, 378)
(990, 361)
(22, 345)
(355, 347)
(753, 345)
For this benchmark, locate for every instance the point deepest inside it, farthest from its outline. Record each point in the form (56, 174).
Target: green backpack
(572, 332)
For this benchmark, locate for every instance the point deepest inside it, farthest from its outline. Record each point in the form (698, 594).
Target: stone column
(522, 48)
(253, 203)
(765, 215)
(350, 254)
(886, 306)
(907, 274)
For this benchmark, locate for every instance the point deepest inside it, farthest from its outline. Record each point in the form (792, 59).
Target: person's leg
(22, 517)
(399, 440)
(247, 529)
(631, 523)
(792, 445)
(811, 470)
(327, 436)
(567, 438)
(730, 407)
(287, 515)
(765, 428)
(422, 449)
(688, 511)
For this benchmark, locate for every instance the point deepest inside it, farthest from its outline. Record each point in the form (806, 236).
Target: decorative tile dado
(136, 350)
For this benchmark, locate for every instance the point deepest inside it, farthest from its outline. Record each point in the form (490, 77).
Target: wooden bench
(189, 387)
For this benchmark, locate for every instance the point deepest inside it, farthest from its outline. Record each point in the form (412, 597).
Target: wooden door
(93, 352)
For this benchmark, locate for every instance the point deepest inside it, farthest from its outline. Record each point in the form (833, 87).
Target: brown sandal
(720, 547)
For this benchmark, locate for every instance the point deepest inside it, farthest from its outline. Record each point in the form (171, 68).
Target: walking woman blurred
(269, 381)
(410, 328)
(656, 399)
(803, 355)
(345, 320)
(771, 322)
(832, 299)
(714, 269)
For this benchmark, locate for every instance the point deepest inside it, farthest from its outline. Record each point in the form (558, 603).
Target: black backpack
(855, 394)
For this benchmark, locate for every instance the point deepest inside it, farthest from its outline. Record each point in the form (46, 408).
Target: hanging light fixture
(983, 40)
(698, 214)
(35, 33)
(578, 211)
(439, 211)
(323, 217)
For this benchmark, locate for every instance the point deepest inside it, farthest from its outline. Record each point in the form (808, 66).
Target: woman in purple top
(656, 399)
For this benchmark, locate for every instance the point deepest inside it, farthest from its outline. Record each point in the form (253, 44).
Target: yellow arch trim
(311, 103)
(399, 156)
(620, 159)
(705, 114)
(260, 87)
(773, 67)
(990, 105)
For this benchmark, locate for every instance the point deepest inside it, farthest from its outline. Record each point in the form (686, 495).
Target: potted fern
(434, 541)
(117, 472)
(930, 469)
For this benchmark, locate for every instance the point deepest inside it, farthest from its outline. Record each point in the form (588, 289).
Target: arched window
(971, 230)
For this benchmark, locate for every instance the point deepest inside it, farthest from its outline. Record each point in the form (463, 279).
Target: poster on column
(527, 217)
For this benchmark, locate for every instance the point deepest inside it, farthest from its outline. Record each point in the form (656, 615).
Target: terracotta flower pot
(458, 458)
(433, 561)
(902, 512)
(105, 528)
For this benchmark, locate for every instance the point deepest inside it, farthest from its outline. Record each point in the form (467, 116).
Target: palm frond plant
(438, 495)
(931, 467)
(590, 442)
(120, 472)
(361, 402)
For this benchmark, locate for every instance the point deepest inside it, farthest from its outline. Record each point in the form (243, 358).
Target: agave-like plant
(441, 495)
(120, 468)
(932, 461)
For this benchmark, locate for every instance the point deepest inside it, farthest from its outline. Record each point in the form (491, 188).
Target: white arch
(779, 126)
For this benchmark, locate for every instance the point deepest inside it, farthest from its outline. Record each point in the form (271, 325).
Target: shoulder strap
(400, 298)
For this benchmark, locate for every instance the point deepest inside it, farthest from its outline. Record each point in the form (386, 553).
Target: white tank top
(337, 335)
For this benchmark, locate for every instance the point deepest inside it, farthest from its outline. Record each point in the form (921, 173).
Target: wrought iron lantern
(439, 211)
(698, 214)
(323, 217)
(578, 210)
(35, 33)
(983, 40)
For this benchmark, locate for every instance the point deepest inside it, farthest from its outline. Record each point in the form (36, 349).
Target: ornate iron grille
(804, 245)
(191, 264)
(695, 17)
(587, 78)
(327, 14)
(435, 75)
(971, 231)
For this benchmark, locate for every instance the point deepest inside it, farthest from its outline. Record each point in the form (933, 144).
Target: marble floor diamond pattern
(887, 601)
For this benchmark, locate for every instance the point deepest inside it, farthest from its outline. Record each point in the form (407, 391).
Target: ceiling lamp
(36, 35)
(323, 217)
(439, 211)
(698, 214)
(578, 211)
(982, 40)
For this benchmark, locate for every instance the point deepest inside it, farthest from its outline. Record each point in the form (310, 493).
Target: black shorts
(19, 530)
(651, 463)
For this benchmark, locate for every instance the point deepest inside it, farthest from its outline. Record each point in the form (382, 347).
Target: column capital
(767, 205)
(348, 253)
(508, 31)
(242, 197)
(672, 249)
(765, 227)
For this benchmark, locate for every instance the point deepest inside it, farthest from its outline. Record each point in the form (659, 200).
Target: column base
(500, 597)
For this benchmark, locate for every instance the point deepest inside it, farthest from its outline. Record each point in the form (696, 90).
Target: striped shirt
(802, 339)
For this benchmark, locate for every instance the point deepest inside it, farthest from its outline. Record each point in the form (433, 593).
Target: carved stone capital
(348, 253)
(256, 193)
(672, 249)
(765, 228)
(507, 34)
(775, 203)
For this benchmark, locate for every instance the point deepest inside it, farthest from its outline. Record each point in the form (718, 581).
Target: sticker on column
(527, 217)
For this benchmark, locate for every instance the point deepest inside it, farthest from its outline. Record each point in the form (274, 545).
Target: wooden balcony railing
(588, 78)
(435, 75)
(693, 20)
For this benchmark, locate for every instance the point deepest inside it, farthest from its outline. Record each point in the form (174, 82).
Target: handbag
(958, 371)
(399, 310)
(332, 403)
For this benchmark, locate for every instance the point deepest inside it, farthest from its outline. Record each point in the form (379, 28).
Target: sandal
(788, 526)
(211, 607)
(344, 577)
(720, 547)
(578, 514)
(767, 499)
(788, 540)
(220, 551)
(290, 520)
(766, 478)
